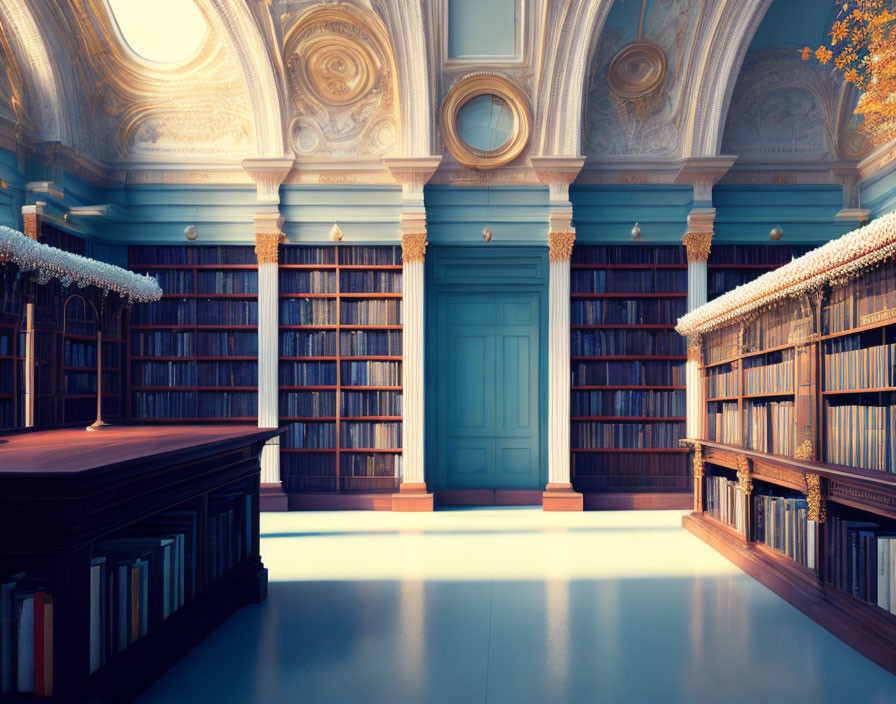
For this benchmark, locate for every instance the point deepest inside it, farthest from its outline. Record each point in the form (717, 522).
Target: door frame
(492, 270)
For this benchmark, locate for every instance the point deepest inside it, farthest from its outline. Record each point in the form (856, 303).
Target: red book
(40, 688)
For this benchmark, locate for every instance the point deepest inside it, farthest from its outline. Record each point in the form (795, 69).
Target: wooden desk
(63, 490)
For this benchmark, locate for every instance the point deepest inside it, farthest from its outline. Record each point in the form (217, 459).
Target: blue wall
(608, 213)
(480, 28)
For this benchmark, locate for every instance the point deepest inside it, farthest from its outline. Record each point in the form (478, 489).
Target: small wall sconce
(191, 233)
(487, 234)
(636, 232)
(775, 233)
(336, 233)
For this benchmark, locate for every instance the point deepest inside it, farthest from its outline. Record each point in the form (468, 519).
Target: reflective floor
(513, 606)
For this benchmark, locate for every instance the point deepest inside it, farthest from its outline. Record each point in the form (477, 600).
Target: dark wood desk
(63, 490)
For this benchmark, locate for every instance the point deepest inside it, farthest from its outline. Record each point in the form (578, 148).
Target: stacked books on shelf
(866, 300)
(193, 354)
(848, 365)
(26, 636)
(860, 559)
(769, 426)
(627, 363)
(355, 444)
(721, 381)
(724, 501)
(773, 373)
(862, 435)
(722, 423)
(781, 522)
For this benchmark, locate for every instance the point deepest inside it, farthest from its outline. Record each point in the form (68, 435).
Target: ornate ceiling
(636, 86)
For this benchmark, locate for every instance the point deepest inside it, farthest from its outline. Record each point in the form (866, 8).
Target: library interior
(452, 351)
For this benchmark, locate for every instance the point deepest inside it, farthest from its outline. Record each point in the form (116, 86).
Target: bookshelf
(11, 358)
(117, 559)
(627, 363)
(193, 355)
(340, 368)
(730, 265)
(796, 465)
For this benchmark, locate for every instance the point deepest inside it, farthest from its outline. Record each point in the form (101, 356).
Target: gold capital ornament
(413, 247)
(744, 476)
(267, 246)
(560, 246)
(697, 245)
(817, 506)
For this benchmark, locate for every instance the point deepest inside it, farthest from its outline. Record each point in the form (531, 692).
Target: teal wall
(796, 23)
(608, 213)
(879, 194)
(480, 27)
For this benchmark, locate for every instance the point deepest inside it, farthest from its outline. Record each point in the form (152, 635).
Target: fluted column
(266, 249)
(697, 241)
(559, 494)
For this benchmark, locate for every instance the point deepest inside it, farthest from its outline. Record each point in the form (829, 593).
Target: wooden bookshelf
(343, 278)
(840, 468)
(79, 510)
(628, 375)
(731, 265)
(185, 362)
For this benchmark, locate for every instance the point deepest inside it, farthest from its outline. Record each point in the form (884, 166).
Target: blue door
(486, 383)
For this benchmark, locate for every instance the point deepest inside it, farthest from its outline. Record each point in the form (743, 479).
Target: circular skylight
(163, 31)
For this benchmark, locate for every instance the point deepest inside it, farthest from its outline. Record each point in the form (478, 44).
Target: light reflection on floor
(512, 605)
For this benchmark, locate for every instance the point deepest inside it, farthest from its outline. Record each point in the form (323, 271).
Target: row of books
(362, 343)
(371, 373)
(308, 311)
(634, 373)
(720, 344)
(193, 404)
(860, 557)
(764, 254)
(861, 301)
(371, 403)
(863, 368)
(225, 282)
(628, 254)
(307, 373)
(370, 281)
(229, 532)
(365, 434)
(190, 255)
(370, 465)
(719, 282)
(589, 435)
(721, 381)
(174, 280)
(81, 353)
(313, 436)
(654, 404)
(370, 256)
(195, 373)
(595, 343)
(627, 312)
(721, 421)
(300, 343)
(195, 312)
(292, 254)
(782, 523)
(300, 281)
(769, 426)
(371, 312)
(85, 383)
(26, 636)
(774, 377)
(6, 344)
(630, 471)
(308, 404)
(724, 501)
(862, 435)
(779, 326)
(629, 281)
(205, 343)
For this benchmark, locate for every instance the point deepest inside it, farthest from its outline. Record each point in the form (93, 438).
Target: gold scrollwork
(267, 246)
(744, 475)
(815, 499)
(560, 246)
(486, 84)
(804, 451)
(698, 245)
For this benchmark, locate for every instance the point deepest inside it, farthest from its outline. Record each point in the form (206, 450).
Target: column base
(272, 498)
(561, 497)
(412, 497)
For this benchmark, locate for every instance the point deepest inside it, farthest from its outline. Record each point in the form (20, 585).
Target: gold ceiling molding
(200, 106)
(342, 81)
(465, 90)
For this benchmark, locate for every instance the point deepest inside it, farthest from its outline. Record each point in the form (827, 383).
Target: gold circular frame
(469, 88)
(638, 69)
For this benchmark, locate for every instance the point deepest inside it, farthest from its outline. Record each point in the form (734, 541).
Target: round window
(485, 122)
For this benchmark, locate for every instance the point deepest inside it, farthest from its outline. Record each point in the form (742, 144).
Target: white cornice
(268, 174)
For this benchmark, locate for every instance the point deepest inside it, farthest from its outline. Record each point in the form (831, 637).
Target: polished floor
(512, 606)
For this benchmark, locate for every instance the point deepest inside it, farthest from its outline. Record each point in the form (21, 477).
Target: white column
(413, 366)
(558, 371)
(268, 357)
(698, 245)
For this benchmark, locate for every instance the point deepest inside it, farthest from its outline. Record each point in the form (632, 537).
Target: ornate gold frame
(485, 84)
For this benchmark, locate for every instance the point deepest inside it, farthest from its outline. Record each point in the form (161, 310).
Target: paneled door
(488, 412)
